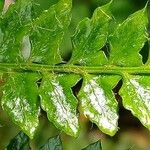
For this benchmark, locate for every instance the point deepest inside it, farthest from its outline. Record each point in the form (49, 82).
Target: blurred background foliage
(131, 134)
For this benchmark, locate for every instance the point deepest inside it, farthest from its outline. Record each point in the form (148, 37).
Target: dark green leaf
(19, 100)
(98, 102)
(94, 146)
(20, 142)
(53, 144)
(58, 101)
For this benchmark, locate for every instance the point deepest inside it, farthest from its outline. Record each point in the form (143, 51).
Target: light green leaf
(48, 31)
(94, 146)
(53, 144)
(12, 28)
(128, 39)
(19, 142)
(59, 102)
(136, 97)
(19, 100)
(90, 36)
(98, 102)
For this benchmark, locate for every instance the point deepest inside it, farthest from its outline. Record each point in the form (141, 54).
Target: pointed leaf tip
(135, 93)
(89, 38)
(19, 142)
(128, 39)
(53, 143)
(98, 102)
(59, 102)
(94, 146)
(19, 100)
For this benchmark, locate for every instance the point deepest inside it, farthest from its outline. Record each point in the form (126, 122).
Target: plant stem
(107, 69)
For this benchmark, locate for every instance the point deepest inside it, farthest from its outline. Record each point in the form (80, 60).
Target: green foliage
(13, 26)
(98, 101)
(94, 146)
(47, 33)
(53, 144)
(90, 36)
(128, 39)
(59, 102)
(33, 69)
(20, 103)
(137, 97)
(21, 142)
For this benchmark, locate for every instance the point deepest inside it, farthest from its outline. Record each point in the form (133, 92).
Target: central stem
(106, 69)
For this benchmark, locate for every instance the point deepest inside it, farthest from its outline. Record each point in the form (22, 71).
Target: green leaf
(128, 39)
(98, 102)
(53, 144)
(19, 100)
(58, 101)
(12, 28)
(90, 36)
(19, 142)
(29, 45)
(136, 97)
(17, 45)
(94, 146)
(48, 31)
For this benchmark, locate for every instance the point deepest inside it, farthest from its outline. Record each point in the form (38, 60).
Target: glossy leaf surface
(12, 28)
(23, 40)
(128, 39)
(29, 45)
(136, 97)
(48, 31)
(94, 146)
(19, 142)
(90, 36)
(19, 100)
(53, 144)
(98, 102)
(58, 101)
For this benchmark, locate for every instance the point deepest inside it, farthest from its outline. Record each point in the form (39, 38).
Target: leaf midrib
(65, 68)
